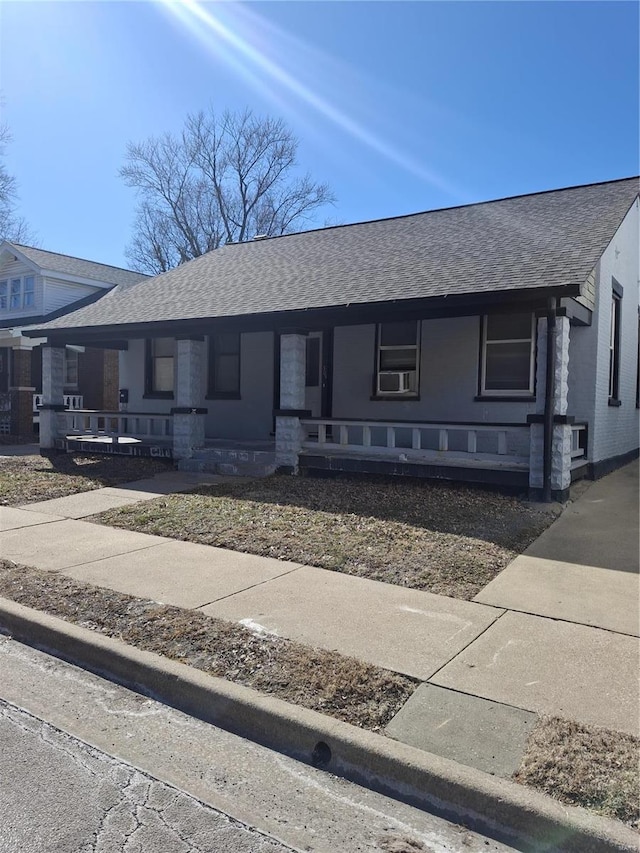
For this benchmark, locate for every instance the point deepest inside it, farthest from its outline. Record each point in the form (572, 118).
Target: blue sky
(399, 106)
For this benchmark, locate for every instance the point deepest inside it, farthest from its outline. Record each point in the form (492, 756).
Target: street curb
(495, 807)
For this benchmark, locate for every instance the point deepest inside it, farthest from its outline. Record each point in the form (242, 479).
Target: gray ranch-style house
(493, 342)
(37, 286)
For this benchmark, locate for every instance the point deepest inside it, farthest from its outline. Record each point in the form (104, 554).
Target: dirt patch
(334, 684)
(27, 479)
(584, 766)
(447, 539)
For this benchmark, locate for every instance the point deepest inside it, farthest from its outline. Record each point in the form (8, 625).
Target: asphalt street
(87, 766)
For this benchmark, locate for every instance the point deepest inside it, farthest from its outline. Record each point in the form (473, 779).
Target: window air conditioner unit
(396, 381)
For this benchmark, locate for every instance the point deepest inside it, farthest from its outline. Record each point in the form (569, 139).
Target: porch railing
(137, 425)
(71, 401)
(501, 445)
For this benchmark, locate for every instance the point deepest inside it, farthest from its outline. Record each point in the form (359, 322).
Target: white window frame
(380, 348)
(503, 392)
(14, 295)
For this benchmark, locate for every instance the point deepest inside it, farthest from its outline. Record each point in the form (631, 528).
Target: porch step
(236, 462)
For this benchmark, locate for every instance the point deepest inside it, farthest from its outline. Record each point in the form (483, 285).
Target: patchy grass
(26, 479)
(337, 685)
(448, 539)
(584, 766)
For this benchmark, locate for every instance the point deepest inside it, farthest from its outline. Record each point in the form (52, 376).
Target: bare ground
(447, 539)
(26, 479)
(578, 765)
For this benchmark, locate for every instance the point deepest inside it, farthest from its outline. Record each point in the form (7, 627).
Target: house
(493, 342)
(37, 286)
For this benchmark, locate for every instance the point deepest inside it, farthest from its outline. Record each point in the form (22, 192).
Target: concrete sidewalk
(552, 634)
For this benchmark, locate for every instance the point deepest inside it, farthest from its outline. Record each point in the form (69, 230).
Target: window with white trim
(398, 359)
(17, 293)
(508, 350)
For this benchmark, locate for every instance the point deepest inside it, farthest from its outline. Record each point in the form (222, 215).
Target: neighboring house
(36, 286)
(493, 342)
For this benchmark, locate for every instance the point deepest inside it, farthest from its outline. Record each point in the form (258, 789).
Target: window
(28, 294)
(71, 367)
(224, 365)
(17, 293)
(614, 348)
(508, 343)
(159, 367)
(397, 359)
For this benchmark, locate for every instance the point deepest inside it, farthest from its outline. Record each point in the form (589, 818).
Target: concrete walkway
(555, 633)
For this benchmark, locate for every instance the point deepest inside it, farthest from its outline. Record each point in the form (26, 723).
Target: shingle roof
(546, 239)
(80, 267)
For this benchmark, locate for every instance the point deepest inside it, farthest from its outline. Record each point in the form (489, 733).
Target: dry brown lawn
(26, 479)
(584, 766)
(337, 685)
(447, 539)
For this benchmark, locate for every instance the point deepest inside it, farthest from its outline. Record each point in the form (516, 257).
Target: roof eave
(342, 314)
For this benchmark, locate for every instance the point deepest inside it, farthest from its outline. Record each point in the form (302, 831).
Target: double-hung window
(159, 367)
(224, 366)
(398, 359)
(508, 350)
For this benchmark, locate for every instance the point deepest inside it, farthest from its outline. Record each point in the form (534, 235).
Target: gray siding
(58, 294)
(250, 417)
(448, 377)
(615, 429)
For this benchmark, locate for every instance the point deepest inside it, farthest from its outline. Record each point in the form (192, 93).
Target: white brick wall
(614, 430)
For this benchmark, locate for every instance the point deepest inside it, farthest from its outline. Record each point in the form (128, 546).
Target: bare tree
(12, 227)
(223, 179)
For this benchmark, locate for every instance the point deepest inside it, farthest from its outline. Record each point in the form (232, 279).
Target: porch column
(52, 420)
(21, 391)
(561, 441)
(188, 415)
(289, 432)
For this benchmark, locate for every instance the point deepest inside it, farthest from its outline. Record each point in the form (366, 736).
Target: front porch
(402, 397)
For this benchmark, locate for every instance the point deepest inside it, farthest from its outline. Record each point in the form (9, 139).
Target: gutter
(549, 397)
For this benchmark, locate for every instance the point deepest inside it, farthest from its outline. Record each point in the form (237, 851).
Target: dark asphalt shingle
(546, 239)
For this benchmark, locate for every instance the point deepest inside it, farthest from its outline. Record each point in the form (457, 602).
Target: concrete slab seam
(554, 619)
(247, 588)
(471, 642)
(497, 807)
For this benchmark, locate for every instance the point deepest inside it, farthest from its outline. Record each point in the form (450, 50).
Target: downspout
(549, 398)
